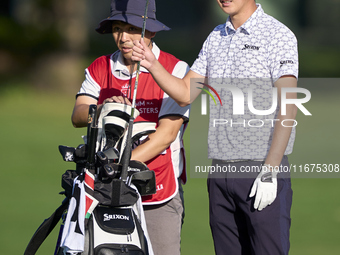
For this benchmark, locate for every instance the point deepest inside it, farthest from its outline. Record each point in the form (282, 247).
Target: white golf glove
(264, 187)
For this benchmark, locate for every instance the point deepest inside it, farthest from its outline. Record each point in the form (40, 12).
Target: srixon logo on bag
(108, 217)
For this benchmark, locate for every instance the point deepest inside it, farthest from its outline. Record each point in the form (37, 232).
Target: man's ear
(153, 34)
(149, 34)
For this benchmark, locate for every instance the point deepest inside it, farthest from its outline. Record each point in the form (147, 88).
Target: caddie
(111, 78)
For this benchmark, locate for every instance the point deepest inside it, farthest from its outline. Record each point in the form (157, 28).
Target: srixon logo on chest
(250, 47)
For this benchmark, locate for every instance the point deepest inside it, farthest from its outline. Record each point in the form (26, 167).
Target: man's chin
(127, 58)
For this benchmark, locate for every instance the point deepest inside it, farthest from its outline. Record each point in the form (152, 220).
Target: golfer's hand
(117, 99)
(264, 188)
(141, 52)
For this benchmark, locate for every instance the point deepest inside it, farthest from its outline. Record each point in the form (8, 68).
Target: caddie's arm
(282, 133)
(81, 110)
(177, 89)
(157, 142)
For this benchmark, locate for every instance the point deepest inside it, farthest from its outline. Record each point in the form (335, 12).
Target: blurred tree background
(47, 44)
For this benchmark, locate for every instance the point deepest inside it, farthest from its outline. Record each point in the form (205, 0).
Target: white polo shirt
(252, 58)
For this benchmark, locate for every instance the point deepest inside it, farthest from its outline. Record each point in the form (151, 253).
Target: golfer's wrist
(155, 66)
(270, 168)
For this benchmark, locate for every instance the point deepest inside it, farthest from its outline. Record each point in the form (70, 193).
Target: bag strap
(45, 229)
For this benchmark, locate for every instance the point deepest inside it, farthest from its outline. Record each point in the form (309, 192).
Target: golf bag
(104, 213)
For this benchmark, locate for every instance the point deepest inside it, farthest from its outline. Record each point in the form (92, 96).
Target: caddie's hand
(264, 187)
(141, 52)
(117, 99)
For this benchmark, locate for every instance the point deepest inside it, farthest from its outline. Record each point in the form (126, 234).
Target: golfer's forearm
(281, 136)
(176, 88)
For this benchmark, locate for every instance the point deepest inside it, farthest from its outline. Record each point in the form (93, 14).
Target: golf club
(92, 131)
(128, 147)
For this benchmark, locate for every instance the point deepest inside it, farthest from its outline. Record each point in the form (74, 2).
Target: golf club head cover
(70, 154)
(142, 128)
(142, 178)
(139, 129)
(121, 112)
(67, 153)
(114, 129)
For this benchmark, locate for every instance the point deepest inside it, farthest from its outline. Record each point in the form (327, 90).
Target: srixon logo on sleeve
(283, 62)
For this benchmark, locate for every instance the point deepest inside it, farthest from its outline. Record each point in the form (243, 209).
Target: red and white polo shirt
(107, 76)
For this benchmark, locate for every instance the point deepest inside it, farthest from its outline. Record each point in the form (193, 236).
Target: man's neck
(240, 18)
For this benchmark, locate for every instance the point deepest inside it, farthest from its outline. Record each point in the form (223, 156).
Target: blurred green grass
(33, 124)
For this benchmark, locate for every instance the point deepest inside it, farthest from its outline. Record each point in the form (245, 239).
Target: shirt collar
(119, 65)
(248, 25)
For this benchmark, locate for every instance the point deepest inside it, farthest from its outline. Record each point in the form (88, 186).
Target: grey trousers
(164, 223)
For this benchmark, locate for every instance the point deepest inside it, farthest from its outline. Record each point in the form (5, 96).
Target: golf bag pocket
(115, 220)
(116, 231)
(114, 193)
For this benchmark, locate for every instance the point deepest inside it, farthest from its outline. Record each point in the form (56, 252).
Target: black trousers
(237, 228)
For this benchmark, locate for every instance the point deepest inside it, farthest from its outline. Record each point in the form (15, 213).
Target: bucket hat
(132, 12)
